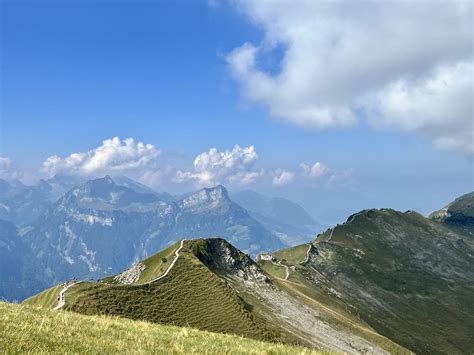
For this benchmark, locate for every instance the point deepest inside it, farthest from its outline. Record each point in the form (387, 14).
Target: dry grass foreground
(31, 329)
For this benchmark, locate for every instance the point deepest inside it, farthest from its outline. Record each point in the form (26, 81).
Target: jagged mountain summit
(211, 213)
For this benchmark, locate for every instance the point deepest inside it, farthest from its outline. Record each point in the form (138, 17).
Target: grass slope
(29, 329)
(406, 276)
(292, 256)
(154, 266)
(333, 310)
(48, 298)
(190, 295)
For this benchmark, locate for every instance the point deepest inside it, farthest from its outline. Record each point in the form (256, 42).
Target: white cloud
(283, 177)
(112, 157)
(440, 106)
(316, 170)
(230, 166)
(325, 176)
(342, 56)
(5, 165)
(9, 172)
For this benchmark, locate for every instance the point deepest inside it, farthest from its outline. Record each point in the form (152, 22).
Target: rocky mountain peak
(225, 259)
(205, 198)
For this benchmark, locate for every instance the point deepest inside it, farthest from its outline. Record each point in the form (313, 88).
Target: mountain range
(68, 227)
(382, 282)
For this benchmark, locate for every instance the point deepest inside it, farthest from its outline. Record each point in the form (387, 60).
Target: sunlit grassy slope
(408, 278)
(48, 298)
(292, 256)
(29, 329)
(190, 295)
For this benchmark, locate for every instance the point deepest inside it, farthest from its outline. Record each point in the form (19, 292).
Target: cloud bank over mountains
(406, 65)
(236, 167)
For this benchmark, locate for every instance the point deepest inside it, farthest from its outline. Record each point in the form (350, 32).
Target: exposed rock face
(131, 275)
(226, 260)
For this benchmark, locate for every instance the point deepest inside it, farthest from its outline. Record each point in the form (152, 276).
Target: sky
(338, 106)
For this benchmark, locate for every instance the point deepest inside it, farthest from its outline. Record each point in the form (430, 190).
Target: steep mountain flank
(409, 278)
(17, 272)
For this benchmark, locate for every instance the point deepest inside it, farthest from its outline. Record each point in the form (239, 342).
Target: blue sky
(178, 75)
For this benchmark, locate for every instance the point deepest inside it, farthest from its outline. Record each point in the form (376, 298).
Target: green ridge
(409, 278)
(190, 295)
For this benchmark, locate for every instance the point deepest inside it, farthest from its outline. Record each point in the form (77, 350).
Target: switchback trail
(286, 268)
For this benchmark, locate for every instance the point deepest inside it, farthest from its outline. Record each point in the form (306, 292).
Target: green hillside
(213, 286)
(409, 278)
(29, 329)
(190, 295)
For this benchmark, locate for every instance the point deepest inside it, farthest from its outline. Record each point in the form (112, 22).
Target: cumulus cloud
(283, 177)
(114, 156)
(326, 176)
(234, 166)
(439, 105)
(408, 63)
(316, 170)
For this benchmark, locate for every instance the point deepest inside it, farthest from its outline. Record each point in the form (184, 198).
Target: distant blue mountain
(286, 219)
(102, 226)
